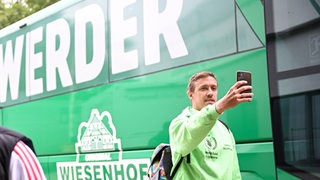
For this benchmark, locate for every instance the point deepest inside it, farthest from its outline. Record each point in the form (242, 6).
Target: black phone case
(244, 75)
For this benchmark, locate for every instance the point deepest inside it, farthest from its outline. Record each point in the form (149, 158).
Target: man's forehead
(206, 81)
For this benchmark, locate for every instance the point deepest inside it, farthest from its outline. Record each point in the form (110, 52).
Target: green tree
(12, 12)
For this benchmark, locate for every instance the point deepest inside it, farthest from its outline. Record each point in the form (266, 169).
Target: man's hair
(196, 77)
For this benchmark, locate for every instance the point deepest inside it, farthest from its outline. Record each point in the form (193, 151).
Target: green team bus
(95, 83)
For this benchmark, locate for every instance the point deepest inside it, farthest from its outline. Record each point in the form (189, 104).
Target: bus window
(293, 50)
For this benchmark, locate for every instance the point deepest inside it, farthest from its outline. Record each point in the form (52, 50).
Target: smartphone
(244, 75)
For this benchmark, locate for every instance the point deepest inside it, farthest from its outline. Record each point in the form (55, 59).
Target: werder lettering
(34, 61)
(71, 50)
(92, 15)
(10, 64)
(166, 24)
(58, 66)
(155, 24)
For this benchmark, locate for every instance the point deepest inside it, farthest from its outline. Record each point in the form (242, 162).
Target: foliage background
(12, 11)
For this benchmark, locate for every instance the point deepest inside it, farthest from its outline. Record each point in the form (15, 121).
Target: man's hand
(234, 97)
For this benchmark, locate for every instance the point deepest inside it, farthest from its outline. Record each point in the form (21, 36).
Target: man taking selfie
(198, 132)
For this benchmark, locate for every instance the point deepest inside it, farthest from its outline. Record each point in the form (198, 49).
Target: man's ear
(189, 95)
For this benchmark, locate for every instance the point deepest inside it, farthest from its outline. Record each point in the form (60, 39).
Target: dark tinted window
(293, 45)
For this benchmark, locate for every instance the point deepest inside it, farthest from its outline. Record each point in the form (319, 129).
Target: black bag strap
(178, 165)
(225, 125)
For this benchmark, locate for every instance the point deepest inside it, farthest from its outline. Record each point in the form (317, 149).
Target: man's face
(205, 92)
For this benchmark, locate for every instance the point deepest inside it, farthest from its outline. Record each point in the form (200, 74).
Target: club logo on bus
(94, 136)
(99, 153)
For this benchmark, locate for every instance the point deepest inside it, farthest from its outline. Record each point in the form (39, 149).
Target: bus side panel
(136, 112)
(256, 161)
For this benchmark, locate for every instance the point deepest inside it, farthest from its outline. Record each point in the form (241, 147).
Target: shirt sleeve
(189, 129)
(24, 164)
